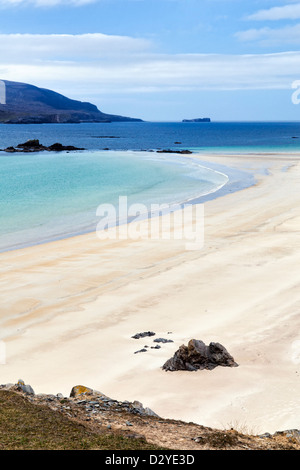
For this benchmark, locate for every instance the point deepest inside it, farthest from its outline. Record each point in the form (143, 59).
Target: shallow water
(44, 196)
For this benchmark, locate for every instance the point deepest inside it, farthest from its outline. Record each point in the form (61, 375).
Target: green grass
(26, 426)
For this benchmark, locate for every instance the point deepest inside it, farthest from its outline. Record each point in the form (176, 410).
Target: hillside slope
(28, 104)
(90, 420)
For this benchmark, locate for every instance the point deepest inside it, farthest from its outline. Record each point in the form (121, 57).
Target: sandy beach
(69, 309)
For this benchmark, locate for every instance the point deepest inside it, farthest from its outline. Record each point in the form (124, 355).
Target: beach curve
(70, 307)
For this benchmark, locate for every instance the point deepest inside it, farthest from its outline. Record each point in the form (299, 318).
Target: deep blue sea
(212, 137)
(48, 195)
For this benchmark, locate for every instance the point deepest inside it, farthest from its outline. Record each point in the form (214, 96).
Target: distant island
(28, 104)
(197, 120)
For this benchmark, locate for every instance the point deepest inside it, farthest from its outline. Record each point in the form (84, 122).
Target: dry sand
(69, 309)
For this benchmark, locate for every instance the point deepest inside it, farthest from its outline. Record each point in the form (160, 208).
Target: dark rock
(140, 350)
(197, 120)
(34, 145)
(197, 356)
(174, 151)
(143, 334)
(105, 137)
(163, 340)
(57, 147)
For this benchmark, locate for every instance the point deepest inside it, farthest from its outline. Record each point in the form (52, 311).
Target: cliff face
(28, 104)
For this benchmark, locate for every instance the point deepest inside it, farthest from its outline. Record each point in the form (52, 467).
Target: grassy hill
(92, 421)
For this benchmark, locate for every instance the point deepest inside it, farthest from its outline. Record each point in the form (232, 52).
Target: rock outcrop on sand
(34, 145)
(197, 356)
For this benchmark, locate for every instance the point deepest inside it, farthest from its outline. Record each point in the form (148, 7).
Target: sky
(159, 60)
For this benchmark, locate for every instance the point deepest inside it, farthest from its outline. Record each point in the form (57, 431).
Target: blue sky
(159, 60)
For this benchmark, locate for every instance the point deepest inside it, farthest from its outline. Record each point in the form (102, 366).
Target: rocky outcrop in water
(183, 152)
(197, 356)
(34, 145)
(197, 120)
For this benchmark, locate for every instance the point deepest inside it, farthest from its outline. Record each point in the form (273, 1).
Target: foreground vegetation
(95, 422)
(26, 426)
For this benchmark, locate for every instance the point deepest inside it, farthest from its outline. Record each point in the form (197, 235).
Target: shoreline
(70, 308)
(241, 181)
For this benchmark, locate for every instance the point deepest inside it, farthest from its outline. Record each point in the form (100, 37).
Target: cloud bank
(286, 12)
(101, 63)
(44, 3)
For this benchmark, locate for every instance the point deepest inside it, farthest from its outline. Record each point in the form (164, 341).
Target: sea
(46, 196)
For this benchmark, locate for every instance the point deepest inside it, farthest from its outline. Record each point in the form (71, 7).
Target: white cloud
(286, 12)
(44, 3)
(68, 46)
(272, 36)
(95, 64)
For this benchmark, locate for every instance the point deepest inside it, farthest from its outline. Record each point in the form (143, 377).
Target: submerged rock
(197, 356)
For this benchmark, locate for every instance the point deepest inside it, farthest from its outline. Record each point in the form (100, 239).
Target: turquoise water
(44, 196)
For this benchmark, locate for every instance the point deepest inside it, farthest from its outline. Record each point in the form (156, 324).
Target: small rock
(143, 334)
(25, 388)
(137, 404)
(289, 433)
(150, 412)
(140, 350)
(8, 386)
(163, 340)
(265, 435)
(79, 390)
(198, 439)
